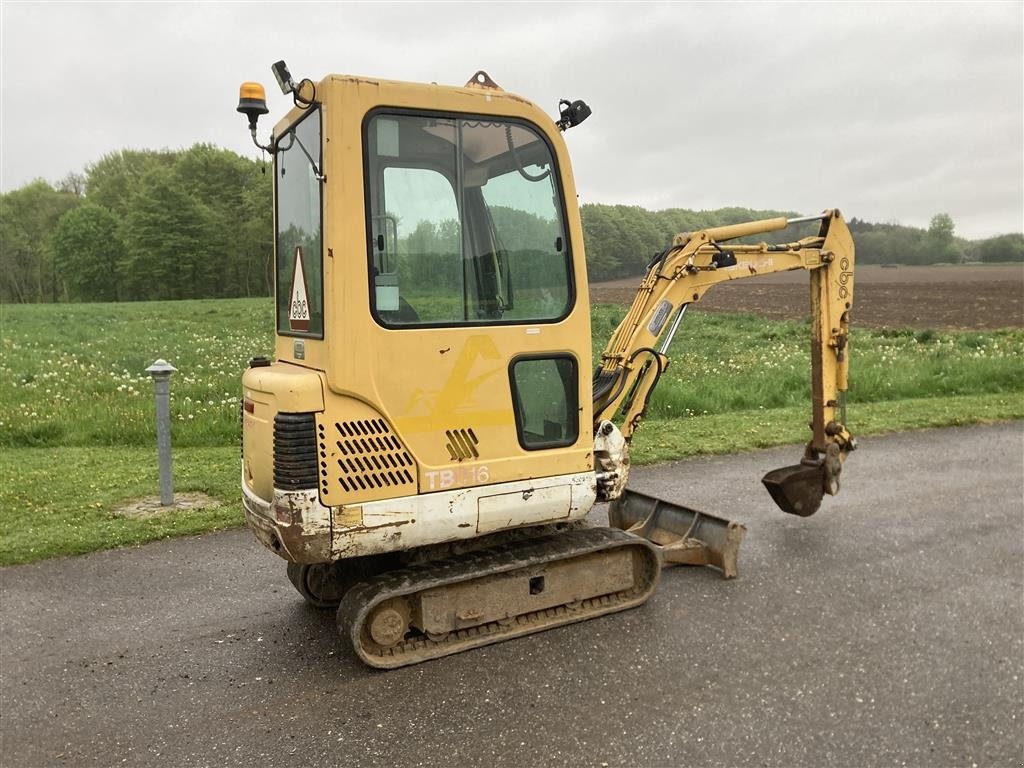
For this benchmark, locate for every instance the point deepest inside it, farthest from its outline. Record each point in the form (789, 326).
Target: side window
(544, 394)
(524, 208)
(299, 249)
(422, 249)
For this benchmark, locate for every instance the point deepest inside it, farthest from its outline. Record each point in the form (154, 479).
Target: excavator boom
(695, 262)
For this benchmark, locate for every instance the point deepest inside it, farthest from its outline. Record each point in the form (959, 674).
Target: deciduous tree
(89, 252)
(27, 218)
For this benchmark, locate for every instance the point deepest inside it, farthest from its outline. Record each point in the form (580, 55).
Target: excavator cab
(432, 356)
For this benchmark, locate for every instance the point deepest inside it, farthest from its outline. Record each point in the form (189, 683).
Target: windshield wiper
(296, 140)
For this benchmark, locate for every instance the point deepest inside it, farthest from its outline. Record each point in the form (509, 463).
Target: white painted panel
(526, 507)
(398, 524)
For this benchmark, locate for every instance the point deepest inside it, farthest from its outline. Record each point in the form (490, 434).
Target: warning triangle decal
(298, 312)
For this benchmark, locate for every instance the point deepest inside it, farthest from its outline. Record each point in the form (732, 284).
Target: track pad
(797, 489)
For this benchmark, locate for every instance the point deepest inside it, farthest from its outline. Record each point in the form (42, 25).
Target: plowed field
(942, 297)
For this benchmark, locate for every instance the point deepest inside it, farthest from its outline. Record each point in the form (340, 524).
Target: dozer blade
(684, 536)
(797, 489)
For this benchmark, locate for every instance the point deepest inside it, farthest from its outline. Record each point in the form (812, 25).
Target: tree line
(141, 225)
(197, 223)
(620, 239)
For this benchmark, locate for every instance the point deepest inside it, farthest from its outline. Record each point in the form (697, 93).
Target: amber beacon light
(252, 102)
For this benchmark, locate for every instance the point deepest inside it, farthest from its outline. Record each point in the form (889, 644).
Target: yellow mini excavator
(429, 438)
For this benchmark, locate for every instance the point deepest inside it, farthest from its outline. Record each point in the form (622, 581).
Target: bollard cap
(160, 368)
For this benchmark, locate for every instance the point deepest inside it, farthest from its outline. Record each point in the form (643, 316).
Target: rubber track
(362, 598)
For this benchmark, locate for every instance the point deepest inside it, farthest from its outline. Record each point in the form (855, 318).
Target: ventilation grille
(462, 444)
(362, 457)
(294, 451)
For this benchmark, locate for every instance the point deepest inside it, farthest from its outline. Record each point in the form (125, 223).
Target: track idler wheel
(797, 489)
(324, 584)
(317, 584)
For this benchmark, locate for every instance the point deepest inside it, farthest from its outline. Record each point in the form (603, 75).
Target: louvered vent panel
(294, 451)
(363, 460)
(462, 444)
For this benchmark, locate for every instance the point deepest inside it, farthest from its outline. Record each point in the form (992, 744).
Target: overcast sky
(890, 111)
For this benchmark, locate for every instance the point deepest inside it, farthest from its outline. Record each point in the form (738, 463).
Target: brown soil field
(939, 297)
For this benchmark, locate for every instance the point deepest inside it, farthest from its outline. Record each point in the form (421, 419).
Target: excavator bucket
(797, 489)
(684, 536)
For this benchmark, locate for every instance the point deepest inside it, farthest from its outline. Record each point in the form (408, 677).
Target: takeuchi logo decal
(298, 311)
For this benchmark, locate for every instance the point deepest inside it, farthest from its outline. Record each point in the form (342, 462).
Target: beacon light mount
(252, 98)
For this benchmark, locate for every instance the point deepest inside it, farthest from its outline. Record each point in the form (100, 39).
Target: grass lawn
(76, 409)
(61, 501)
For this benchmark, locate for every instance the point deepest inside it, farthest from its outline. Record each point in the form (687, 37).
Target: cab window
(298, 197)
(466, 222)
(545, 399)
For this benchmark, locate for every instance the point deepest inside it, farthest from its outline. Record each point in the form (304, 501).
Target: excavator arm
(636, 354)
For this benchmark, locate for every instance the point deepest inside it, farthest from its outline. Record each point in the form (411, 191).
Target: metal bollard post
(161, 372)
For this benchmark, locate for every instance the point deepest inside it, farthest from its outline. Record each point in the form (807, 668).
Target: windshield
(299, 258)
(465, 221)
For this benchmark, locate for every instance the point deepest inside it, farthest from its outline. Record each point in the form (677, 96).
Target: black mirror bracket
(571, 113)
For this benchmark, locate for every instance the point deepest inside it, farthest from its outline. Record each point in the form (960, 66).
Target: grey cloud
(892, 111)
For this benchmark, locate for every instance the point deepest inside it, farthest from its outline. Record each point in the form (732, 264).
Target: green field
(74, 374)
(76, 407)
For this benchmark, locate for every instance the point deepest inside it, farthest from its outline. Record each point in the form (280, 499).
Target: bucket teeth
(796, 489)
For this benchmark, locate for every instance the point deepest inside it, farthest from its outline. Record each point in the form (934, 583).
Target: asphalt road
(886, 630)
